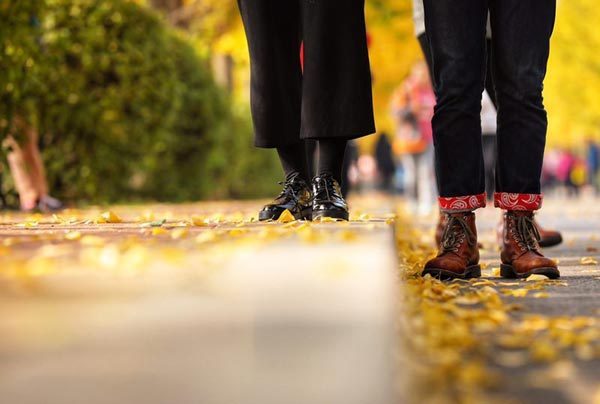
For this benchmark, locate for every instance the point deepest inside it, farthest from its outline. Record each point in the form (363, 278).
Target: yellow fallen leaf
(199, 221)
(515, 292)
(89, 240)
(237, 232)
(73, 235)
(588, 261)
(541, 295)
(348, 235)
(158, 231)
(108, 217)
(309, 235)
(179, 233)
(537, 277)
(206, 237)
(29, 224)
(496, 272)
(286, 217)
(543, 351)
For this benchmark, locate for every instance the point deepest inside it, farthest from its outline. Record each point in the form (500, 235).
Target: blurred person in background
(412, 109)
(27, 169)
(578, 177)
(330, 100)
(350, 179)
(566, 164)
(593, 164)
(550, 180)
(385, 162)
(488, 129)
(548, 238)
(456, 34)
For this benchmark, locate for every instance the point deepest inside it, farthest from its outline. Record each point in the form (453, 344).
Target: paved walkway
(196, 304)
(199, 303)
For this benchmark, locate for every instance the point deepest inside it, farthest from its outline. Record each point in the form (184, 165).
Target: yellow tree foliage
(572, 90)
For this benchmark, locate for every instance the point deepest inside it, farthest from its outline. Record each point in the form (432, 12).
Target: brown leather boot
(548, 238)
(459, 255)
(521, 256)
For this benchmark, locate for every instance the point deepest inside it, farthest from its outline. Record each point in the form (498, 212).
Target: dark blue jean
(521, 31)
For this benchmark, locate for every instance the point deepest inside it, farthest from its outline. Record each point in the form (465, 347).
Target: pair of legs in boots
(521, 32)
(328, 100)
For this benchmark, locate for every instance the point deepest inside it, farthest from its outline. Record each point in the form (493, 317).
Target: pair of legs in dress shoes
(328, 99)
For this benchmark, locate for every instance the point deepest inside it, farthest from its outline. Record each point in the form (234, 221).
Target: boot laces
(456, 232)
(526, 233)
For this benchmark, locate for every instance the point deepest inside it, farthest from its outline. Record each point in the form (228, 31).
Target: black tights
(296, 158)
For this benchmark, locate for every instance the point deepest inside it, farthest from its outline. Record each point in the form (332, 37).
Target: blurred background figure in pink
(412, 108)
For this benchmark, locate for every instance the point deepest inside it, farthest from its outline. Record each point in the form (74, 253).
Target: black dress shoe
(327, 198)
(295, 197)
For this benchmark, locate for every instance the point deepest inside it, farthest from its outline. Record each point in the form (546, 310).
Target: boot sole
(306, 214)
(330, 213)
(507, 271)
(474, 271)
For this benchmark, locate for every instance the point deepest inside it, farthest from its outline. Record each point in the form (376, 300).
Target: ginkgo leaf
(588, 261)
(537, 277)
(286, 217)
(73, 235)
(108, 217)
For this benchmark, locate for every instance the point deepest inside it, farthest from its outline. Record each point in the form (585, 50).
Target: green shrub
(19, 56)
(126, 108)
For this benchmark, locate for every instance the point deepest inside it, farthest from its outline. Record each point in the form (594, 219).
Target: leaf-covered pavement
(481, 341)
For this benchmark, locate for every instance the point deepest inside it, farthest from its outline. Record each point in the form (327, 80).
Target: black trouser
(521, 32)
(489, 139)
(333, 98)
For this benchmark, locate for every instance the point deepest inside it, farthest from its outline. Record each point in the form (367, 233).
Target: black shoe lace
(526, 232)
(325, 188)
(456, 231)
(291, 187)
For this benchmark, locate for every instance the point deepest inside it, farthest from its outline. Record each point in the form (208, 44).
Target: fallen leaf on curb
(537, 277)
(588, 261)
(29, 224)
(158, 231)
(199, 221)
(108, 217)
(348, 235)
(286, 217)
(90, 240)
(73, 235)
(515, 292)
(179, 233)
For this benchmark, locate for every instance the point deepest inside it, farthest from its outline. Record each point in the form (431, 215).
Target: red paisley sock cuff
(462, 203)
(508, 201)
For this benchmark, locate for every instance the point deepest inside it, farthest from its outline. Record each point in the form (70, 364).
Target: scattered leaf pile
(465, 338)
